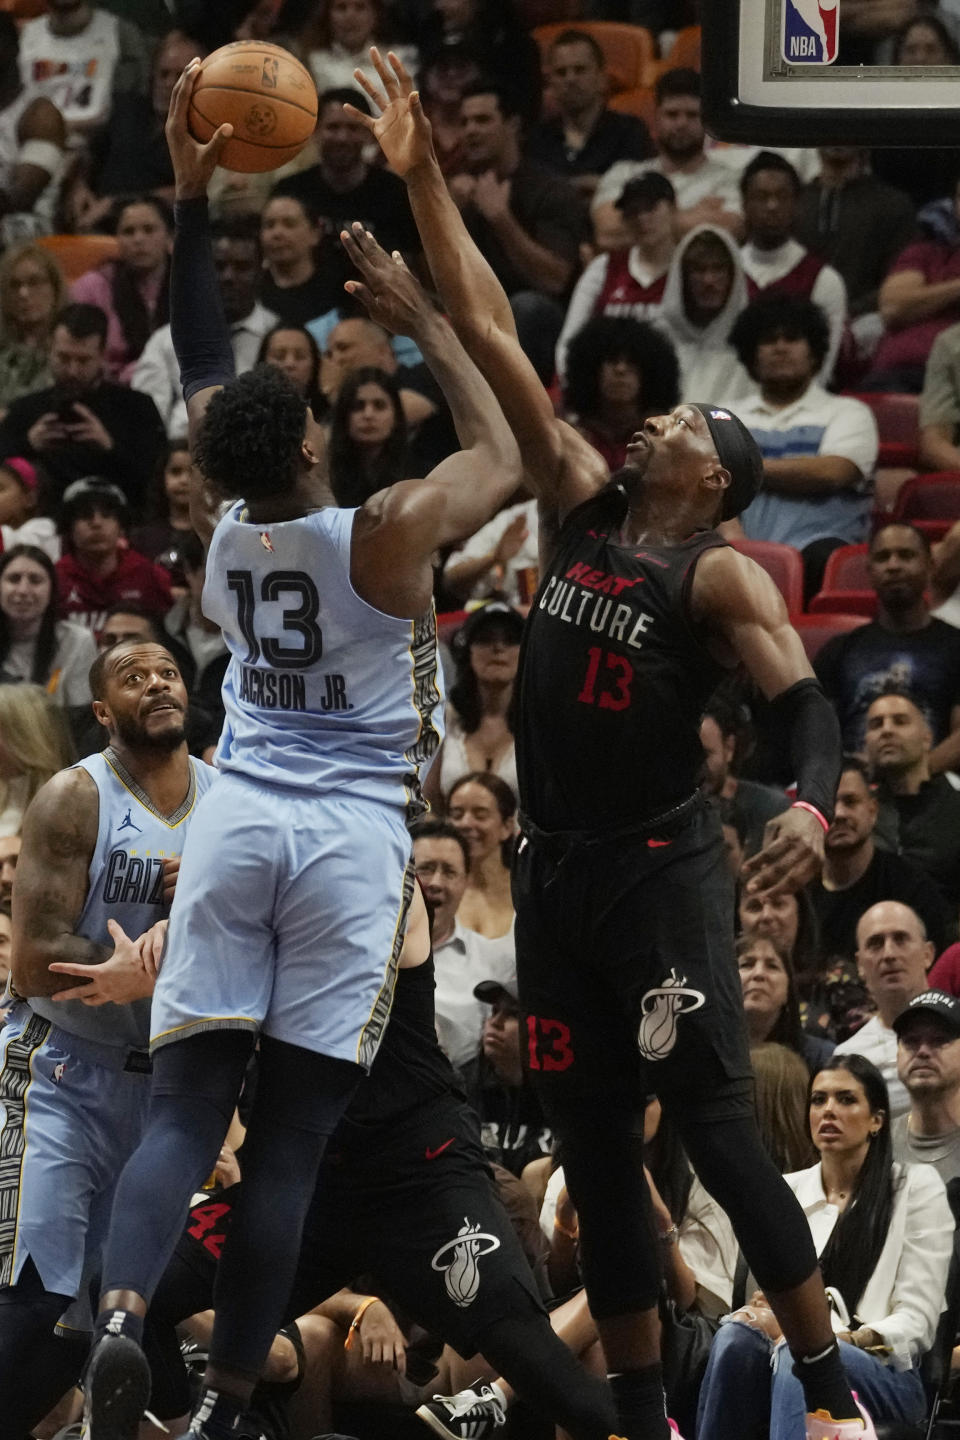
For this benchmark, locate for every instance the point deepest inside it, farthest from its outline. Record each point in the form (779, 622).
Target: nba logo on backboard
(810, 31)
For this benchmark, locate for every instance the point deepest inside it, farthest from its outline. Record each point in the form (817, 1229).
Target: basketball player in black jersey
(624, 912)
(405, 1196)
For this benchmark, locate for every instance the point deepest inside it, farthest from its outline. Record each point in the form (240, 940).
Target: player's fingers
(183, 89)
(118, 932)
(386, 74)
(67, 967)
(374, 93)
(400, 1357)
(366, 297)
(370, 246)
(404, 78)
(215, 144)
(360, 115)
(351, 244)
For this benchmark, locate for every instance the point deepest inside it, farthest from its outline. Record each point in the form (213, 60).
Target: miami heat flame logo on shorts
(661, 1007)
(458, 1258)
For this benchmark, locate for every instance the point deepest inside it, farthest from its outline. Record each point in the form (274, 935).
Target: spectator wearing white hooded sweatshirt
(706, 290)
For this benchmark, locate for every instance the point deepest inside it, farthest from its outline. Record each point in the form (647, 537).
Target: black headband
(737, 452)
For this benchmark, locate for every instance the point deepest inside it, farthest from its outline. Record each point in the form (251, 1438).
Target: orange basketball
(266, 95)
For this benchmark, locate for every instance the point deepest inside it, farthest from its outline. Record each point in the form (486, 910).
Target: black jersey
(410, 1068)
(613, 677)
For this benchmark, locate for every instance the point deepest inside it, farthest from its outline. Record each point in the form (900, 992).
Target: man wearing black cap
(624, 905)
(628, 281)
(928, 1063)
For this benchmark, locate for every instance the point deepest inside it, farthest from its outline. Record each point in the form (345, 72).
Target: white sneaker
(821, 1427)
(472, 1415)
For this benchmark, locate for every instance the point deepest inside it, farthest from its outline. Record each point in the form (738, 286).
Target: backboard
(773, 75)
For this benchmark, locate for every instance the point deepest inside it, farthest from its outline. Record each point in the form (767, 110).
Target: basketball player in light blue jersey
(101, 847)
(294, 891)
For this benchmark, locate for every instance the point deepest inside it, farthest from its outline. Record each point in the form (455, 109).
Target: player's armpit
(747, 619)
(50, 886)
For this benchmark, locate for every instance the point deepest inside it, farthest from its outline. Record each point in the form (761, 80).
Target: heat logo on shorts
(661, 1008)
(459, 1260)
(810, 30)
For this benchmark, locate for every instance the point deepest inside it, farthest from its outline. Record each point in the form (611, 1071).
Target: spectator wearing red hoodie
(98, 572)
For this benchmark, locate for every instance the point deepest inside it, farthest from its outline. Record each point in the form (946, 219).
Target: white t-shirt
(74, 71)
(460, 963)
(875, 1042)
(816, 424)
(485, 540)
(711, 177)
(69, 682)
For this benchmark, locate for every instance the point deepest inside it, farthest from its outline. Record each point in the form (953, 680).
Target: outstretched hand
(391, 295)
(193, 162)
(792, 855)
(399, 124)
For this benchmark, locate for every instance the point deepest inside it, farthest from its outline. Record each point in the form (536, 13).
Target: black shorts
(626, 967)
(415, 1209)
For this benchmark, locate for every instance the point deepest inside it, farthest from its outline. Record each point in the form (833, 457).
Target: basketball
(265, 94)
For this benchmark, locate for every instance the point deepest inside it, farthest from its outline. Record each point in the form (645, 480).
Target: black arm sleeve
(810, 726)
(198, 326)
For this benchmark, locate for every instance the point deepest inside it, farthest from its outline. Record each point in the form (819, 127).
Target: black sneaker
(116, 1385)
(472, 1415)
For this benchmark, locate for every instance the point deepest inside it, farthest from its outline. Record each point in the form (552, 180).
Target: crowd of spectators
(645, 265)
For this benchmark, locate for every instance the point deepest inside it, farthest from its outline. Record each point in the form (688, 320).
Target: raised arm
(743, 609)
(561, 468)
(50, 885)
(198, 326)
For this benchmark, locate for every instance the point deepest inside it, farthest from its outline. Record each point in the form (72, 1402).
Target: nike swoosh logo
(656, 844)
(432, 1154)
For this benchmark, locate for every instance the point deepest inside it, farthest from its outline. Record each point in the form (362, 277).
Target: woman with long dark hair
(132, 290)
(884, 1234)
(771, 1001)
(292, 349)
(484, 809)
(293, 285)
(368, 436)
(34, 645)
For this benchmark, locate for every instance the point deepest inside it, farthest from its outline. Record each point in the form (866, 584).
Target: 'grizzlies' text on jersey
(126, 885)
(323, 692)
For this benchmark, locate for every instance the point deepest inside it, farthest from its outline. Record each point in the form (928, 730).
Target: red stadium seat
(449, 623)
(76, 254)
(684, 54)
(816, 630)
(844, 602)
(782, 563)
(931, 502)
(847, 569)
(898, 422)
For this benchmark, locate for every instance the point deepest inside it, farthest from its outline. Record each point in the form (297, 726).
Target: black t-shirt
(299, 304)
(130, 156)
(379, 202)
(614, 137)
(613, 677)
(854, 668)
(926, 829)
(547, 207)
(888, 877)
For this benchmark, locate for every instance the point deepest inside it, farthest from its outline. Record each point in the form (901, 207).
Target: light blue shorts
(70, 1118)
(289, 917)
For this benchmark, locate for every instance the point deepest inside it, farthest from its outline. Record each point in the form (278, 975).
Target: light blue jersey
(126, 885)
(323, 692)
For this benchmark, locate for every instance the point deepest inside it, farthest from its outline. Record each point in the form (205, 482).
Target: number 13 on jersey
(607, 681)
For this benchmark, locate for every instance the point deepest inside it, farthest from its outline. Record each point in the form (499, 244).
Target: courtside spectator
(502, 559)
(32, 294)
(35, 645)
(236, 255)
(80, 57)
(293, 349)
(857, 223)
(919, 298)
(197, 637)
(483, 807)
(619, 372)
(462, 958)
(707, 190)
(513, 1130)
(905, 646)
(527, 221)
(132, 289)
(771, 1001)
(367, 448)
(919, 812)
(857, 874)
(445, 75)
(893, 956)
(83, 424)
(584, 138)
(724, 732)
(293, 284)
(97, 572)
(774, 260)
(36, 744)
(629, 282)
(336, 41)
(928, 1066)
(706, 290)
(32, 147)
(163, 535)
(819, 450)
(343, 187)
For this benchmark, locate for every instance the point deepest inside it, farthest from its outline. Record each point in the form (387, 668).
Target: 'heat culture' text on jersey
(323, 692)
(614, 677)
(126, 885)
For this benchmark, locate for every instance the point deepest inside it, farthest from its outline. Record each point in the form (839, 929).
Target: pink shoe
(673, 1427)
(821, 1427)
